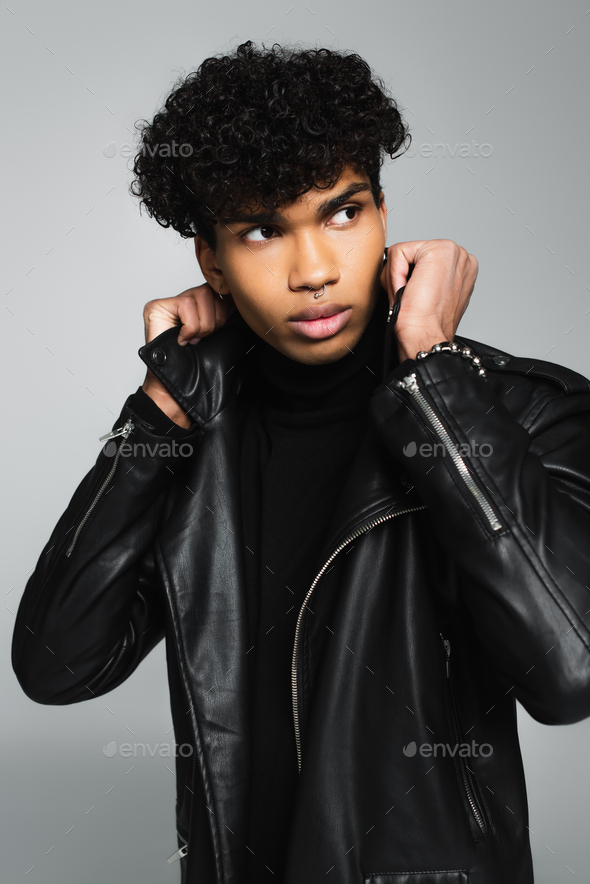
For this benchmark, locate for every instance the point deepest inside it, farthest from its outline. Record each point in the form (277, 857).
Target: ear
(209, 266)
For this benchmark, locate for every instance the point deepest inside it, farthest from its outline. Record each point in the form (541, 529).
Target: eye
(345, 219)
(257, 234)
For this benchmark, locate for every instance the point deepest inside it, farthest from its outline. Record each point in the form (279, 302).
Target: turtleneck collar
(294, 392)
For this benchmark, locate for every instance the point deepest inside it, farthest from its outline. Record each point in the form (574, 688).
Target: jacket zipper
(410, 384)
(362, 530)
(458, 737)
(181, 852)
(123, 431)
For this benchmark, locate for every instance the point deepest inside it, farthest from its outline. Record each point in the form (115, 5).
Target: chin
(326, 350)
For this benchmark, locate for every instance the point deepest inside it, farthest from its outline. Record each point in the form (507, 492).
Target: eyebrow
(277, 218)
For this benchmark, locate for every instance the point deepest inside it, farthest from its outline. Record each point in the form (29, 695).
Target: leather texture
(450, 877)
(421, 570)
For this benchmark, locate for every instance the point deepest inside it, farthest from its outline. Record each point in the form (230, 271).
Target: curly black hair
(260, 127)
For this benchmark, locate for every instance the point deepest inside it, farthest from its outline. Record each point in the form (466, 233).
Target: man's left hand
(436, 295)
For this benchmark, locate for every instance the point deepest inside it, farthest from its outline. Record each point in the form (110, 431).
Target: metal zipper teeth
(362, 530)
(128, 427)
(410, 384)
(475, 810)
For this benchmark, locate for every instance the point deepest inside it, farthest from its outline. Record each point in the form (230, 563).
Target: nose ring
(319, 294)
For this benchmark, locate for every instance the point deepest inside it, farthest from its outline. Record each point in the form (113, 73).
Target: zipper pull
(178, 854)
(122, 431)
(409, 383)
(447, 645)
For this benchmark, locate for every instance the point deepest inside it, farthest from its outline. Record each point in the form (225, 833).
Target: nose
(312, 266)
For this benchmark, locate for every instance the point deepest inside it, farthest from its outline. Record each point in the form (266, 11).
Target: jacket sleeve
(512, 507)
(91, 609)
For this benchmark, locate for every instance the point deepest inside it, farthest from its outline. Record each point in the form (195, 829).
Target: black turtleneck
(302, 427)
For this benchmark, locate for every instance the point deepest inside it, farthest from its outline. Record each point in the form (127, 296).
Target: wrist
(411, 343)
(156, 390)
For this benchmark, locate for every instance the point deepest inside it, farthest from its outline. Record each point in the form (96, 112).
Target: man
(362, 547)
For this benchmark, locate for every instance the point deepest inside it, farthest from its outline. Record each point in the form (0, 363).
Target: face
(273, 263)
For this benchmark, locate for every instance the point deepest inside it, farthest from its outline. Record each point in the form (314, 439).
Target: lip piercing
(319, 294)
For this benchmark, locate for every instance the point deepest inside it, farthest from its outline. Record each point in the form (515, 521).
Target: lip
(329, 320)
(326, 309)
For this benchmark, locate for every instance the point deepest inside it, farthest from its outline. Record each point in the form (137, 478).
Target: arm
(525, 560)
(90, 611)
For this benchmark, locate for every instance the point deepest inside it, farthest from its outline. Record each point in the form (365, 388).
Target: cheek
(364, 265)
(367, 254)
(258, 309)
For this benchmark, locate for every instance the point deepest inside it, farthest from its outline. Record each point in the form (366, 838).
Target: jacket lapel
(202, 557)
(374, 484)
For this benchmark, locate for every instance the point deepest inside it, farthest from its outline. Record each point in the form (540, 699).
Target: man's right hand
(198, 312)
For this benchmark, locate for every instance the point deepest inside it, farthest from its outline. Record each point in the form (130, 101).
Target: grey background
(79, 263)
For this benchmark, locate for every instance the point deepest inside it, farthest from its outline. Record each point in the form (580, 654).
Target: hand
(199, 312)
(436, 295)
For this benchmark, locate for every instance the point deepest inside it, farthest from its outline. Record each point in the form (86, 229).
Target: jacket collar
(206, 377)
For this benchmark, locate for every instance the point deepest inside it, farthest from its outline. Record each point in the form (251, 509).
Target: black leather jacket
(463, 586)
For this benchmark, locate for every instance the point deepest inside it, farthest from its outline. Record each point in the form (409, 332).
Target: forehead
(349, 176)
(317, 199)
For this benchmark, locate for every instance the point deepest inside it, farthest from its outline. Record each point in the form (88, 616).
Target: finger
(158, 316)
(205, 301)
(189, 317)
(146, 325)
(467, 271)
(223, 310)
(474, 266)
(212, 314)
(196, 323)
(399, 258)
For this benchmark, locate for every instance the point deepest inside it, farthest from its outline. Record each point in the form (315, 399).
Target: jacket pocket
(479, 826)
(442, 876)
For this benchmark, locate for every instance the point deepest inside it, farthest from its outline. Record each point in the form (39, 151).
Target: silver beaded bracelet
(466, 353)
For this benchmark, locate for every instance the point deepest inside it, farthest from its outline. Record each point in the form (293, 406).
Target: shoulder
(526, 384)
(501, 363)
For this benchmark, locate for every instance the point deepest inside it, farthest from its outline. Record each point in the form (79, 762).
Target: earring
(385, 255)
(223, 297)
